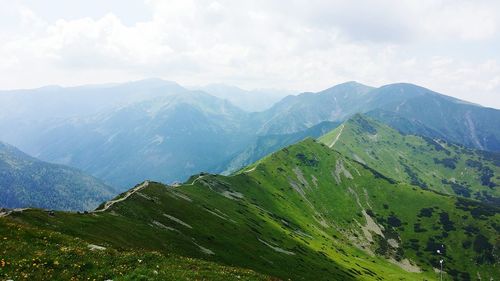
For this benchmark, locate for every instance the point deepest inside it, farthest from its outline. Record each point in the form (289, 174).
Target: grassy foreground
(31, 253)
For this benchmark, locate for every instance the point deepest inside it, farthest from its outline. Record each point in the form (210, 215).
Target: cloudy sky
(451, 46)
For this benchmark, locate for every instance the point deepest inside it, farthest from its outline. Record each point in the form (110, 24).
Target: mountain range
(124, 133)
(311, 210)
(166, 138)
(406, 107)
(352, 183)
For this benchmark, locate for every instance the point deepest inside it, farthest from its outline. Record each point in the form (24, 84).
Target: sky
(450, 46)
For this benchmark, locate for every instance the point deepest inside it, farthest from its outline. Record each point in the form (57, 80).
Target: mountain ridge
(426, 162)
(29, 182)
(304, 212)
(456, 120)
(129, 121)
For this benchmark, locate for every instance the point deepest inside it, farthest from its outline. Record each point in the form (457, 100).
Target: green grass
(30, 253)
(298, 215)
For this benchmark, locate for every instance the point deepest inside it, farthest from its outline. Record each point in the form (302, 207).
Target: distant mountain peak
(348, 86)
(353, 83)
(154, 82)
(409, 89)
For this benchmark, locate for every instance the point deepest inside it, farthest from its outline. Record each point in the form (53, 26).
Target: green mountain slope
(428, 163)
(304, 213)
(28, 182)
(267, 144)
(404, 125)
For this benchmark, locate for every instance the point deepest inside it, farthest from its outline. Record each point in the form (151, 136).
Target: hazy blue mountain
(166, 138)
(455, 120)
(124, 133)
(297, 113)
(407, 107)
(251, 101)
(28, 182)
(155, 129)
(26, 114)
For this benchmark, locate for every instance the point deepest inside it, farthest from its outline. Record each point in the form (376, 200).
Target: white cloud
(304, 45)
(466, 20)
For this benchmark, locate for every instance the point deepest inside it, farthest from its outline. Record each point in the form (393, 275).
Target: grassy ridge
(430, 164)
(304, 213)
